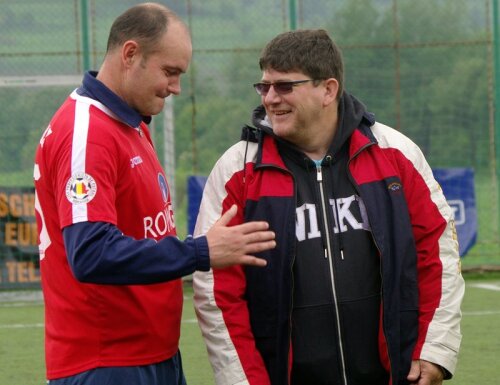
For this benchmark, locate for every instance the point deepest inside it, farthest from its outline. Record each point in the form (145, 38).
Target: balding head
(144, 23)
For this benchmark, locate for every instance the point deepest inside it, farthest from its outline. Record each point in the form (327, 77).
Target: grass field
(21, 336)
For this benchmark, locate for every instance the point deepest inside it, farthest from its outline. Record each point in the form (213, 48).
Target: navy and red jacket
(245, 313)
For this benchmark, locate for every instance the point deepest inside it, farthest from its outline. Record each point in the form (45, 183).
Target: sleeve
(99, 253)
(441, 285)
(219, 295)
(87, 172)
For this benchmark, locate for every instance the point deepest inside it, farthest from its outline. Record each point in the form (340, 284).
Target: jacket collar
(95, 89)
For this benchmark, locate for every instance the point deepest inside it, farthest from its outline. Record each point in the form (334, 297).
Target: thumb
(414, 374)
(227, 216)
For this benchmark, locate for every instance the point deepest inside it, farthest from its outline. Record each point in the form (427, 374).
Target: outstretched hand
(233, 245)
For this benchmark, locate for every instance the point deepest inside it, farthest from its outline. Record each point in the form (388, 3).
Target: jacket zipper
(329, 256)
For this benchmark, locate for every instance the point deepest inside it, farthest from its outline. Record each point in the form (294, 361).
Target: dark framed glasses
(281, 88)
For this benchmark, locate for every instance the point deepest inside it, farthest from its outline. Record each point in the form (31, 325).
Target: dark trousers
(168, 372)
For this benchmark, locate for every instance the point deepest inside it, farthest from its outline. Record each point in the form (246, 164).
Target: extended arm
(99, 253)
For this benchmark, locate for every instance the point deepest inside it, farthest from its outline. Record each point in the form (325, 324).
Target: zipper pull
(326, 253)
(319, 174)
(342, 254)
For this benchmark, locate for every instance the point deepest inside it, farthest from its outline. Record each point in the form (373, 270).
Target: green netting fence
(426, 68)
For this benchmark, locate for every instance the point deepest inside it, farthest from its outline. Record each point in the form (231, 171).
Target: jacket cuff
(202, 253)
(446, 374)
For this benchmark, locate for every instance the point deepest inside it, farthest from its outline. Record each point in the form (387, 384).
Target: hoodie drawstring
(329, 160)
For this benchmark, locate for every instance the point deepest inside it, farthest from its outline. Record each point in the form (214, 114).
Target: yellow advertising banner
(19, 262)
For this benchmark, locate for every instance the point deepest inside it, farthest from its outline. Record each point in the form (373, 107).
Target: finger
(259, 247)
(414, 373)
(259, 236)
(250, 227)
(250, 260)
(227, 216)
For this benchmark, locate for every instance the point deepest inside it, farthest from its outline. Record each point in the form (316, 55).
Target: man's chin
(280, 130)
(156, 109)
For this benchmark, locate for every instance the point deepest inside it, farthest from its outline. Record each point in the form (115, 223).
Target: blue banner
(195, 185)
(458, 188)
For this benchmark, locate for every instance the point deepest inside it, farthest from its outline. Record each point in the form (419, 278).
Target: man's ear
(130, 52)
(331, 90)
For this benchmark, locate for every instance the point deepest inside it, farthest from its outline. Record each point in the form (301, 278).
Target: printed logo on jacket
(81, 188)
(163, 222)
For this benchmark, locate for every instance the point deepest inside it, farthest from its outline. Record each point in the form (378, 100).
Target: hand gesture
(232, 245)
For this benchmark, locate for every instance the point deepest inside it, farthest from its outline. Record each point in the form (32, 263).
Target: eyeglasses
(281, 88)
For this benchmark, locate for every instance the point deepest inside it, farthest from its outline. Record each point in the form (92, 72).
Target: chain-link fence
(423, 67)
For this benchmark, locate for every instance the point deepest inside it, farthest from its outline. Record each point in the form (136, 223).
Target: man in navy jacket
(364, 286)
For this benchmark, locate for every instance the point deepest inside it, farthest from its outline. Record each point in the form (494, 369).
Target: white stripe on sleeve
(78, 152)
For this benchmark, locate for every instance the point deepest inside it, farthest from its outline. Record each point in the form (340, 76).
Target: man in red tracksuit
(111, 262)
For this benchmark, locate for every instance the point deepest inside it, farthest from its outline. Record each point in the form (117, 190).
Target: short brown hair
(145, 23)
(310, 51)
